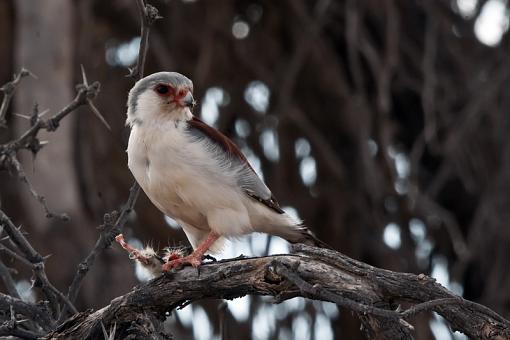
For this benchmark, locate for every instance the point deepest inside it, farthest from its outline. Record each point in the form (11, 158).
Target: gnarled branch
(373, 294)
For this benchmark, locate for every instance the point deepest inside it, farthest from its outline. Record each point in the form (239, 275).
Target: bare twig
(148, 15)
(8, 90)
(41, 199)
(110, 229)
(29, 140)
(37, 313)
(37, 262)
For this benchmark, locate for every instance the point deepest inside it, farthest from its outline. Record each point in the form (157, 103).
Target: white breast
(181, 178)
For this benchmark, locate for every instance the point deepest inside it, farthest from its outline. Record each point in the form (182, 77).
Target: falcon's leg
(195, 258)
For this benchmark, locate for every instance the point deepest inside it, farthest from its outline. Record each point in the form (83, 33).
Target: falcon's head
(162, 95)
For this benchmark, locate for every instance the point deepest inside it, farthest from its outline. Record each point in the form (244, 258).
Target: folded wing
(247, 179)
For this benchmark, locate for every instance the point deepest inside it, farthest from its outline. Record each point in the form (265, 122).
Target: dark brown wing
(250, 181)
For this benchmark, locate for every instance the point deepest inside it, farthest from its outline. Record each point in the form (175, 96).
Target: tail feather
(308, 238)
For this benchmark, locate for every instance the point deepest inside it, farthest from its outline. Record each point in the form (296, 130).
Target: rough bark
(372, 293)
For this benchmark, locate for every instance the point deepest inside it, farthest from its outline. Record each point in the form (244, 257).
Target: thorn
(84, 76)
(132, 72)
(23, 116)
(47, 257)
(43, 142)
(98, 114)
(43, 113)
(27, 72)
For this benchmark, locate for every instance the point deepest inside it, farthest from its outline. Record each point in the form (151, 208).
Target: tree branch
(8, 89)
(148, 15)
(373, 294)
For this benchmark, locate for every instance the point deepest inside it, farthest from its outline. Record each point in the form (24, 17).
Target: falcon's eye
(162, 89)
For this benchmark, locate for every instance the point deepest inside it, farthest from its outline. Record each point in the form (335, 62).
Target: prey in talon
(147, 257)
(196, 175)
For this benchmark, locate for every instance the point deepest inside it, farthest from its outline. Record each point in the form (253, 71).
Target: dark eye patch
(162, 89)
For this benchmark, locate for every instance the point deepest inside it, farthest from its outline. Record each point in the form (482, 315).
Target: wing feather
(248, 180)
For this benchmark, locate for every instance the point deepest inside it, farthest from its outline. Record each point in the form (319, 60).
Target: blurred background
(383, 124)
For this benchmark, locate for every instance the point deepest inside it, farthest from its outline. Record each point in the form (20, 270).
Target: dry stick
(32, 311)
(11, 327)
(52, 123)
(15, 255)
(318, 292)
(37, 263)
(111, 227)
(8, 330)
(148, 14)
(343, 262)
(28, 140)
(39, 198)
(8, 90)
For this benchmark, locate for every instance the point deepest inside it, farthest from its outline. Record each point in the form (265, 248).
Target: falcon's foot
(194, 259)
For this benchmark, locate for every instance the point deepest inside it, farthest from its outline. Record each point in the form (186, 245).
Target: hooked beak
(188, 100)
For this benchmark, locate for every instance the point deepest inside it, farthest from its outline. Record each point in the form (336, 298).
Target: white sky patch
(308, 170)
(330, 309)
(457, 288)
(242, 128)
(185, 315)
(392, 151)
(301, 328)
(240, 29)
(440, 271)
(322, 328)
(257, 96)
(391, 236)
(402, 165)
(372, 147)
(492, 22)
(264, 322)
(294, 305)
(278, 245)
(401, 186)
(439, 328)
(417, 229)
(467, 7)
(302, 148)
(269, 142)
(202, 328)
(258, 243)
(123, 54)
(423, 250)
(171, 222)
(25, 291)
(213, 99)
(240, 308)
